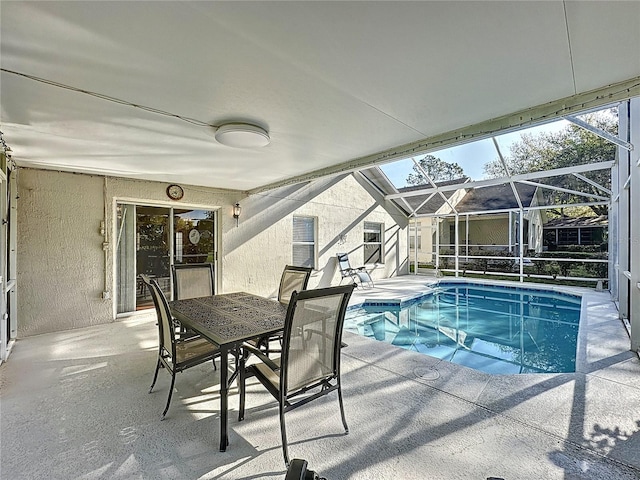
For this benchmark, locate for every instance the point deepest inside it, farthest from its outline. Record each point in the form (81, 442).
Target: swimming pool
(495, 329)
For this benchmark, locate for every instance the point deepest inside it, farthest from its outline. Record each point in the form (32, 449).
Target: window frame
(314, 243)
(380, 243)
(415, 236)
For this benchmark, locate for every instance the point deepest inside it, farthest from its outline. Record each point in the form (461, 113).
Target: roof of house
(575, 222)
(436, 200)
(495, 197)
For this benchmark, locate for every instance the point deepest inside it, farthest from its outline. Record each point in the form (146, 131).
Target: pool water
(495, 329)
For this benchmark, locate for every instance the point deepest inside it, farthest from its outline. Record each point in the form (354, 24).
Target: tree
(437, 169)
(573, 145)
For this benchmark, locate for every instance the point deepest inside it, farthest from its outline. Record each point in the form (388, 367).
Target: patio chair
(357, 275)
(175, 353)
(293, 279)
(192, 280)
(309, 367)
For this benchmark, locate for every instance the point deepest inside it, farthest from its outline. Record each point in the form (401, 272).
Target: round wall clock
(175, 192)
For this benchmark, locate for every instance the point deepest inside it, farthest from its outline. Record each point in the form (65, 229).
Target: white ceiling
(331, 81)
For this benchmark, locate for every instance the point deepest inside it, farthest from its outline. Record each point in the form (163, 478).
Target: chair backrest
(343, 263)
(313, 336)
(293, 279)
(192, 280)
(165, 324)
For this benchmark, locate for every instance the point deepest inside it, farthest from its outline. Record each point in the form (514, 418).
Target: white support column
(457, 244)
(623, 213)
(614, 226)
(437, 244)
(415, 246)
(510, 231)
(521, 244)
(467, 236)
(634, 254)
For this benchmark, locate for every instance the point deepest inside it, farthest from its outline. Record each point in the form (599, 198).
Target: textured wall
(60, 258)
(257, 250)
(61, 261)
(63, 270)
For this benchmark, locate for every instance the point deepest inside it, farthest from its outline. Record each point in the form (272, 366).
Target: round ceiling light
(242, 135)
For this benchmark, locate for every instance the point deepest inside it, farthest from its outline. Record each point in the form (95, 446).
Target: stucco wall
(60, 258)
(63, 269)
(485, 230)
(256, 251)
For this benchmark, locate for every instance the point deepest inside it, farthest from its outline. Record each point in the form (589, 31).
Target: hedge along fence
(579, 264)
(585, 264)
(479, 260)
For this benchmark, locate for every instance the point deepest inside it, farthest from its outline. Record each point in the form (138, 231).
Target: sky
(471, 156)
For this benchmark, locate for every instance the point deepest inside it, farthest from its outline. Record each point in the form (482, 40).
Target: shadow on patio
(75, 405)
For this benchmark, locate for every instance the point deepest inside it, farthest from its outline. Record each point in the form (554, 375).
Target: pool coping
(429, 284)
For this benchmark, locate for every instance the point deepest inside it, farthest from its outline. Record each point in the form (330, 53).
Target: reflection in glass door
(148, 239)
(153, 252)
(193, 236)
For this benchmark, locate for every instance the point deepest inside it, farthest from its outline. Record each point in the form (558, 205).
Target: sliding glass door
(194, 236)
(149, 240)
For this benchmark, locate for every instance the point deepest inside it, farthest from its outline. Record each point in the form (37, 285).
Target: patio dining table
(228, 320)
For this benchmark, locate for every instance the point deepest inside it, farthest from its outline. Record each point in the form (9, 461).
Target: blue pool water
(495, 329)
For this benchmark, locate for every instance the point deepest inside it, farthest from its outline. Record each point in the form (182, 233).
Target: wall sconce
(237, 209)
(342, 239)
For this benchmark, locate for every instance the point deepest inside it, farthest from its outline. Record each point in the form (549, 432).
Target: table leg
(224, 387)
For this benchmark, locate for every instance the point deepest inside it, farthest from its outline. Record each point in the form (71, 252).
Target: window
(412, 236)
(591, 236)
(568, 236)
(304, 242)
(373, 243)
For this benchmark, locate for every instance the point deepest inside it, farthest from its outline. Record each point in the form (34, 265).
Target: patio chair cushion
(193, 349)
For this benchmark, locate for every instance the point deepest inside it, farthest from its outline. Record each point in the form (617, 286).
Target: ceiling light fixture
(242, 135)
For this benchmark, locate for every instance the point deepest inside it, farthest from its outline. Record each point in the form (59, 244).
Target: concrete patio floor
(74, 405)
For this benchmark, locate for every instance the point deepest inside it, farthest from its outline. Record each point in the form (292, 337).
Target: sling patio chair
(192, 280)
(309, 366)
(175, 353)
(357, 275)
(293, 279)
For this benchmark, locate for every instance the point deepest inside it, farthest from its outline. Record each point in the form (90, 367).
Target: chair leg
(241, 387)
(155, 375)
(173, 381)
(265, 343)
(344, 418)
(283, 431)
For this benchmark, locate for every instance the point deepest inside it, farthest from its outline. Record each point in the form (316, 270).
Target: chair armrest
(260, 354)
(194, 337)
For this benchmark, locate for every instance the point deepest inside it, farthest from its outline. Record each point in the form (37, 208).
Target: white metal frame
(171, 208)
(8, 255)
(634, 223)
(624, 221)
